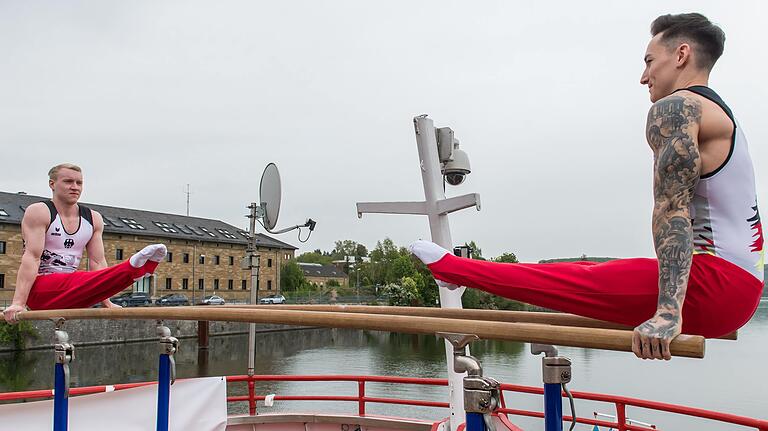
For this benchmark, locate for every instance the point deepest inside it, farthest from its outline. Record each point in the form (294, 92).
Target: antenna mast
(187, 192)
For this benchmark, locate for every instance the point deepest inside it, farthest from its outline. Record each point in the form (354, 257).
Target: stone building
(320, 275)
(204, 255)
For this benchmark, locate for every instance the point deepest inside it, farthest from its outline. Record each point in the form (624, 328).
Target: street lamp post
(252, 260)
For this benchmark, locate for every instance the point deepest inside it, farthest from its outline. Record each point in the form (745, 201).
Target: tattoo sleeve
(672, 132)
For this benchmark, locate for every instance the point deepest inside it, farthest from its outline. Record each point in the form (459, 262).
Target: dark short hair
(696, 28)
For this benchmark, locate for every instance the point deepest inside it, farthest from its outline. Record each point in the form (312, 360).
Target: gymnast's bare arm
(33, 227)
(672, 131)
(95, 249)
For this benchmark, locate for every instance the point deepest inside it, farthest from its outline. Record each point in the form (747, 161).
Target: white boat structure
(474, 402)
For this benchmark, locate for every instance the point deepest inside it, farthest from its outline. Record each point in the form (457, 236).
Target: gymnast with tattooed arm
(708, 275)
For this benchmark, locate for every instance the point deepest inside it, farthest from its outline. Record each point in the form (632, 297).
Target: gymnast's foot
(147, 259)
(427, 251)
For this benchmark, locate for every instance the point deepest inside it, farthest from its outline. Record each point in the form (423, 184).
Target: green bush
(17, 335)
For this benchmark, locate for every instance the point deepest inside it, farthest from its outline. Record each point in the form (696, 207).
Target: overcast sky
(148, 96)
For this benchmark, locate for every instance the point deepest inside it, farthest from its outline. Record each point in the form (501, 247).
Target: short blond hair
(54, 172)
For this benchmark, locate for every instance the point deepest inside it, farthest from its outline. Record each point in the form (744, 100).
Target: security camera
(457, 169)
(445, 143)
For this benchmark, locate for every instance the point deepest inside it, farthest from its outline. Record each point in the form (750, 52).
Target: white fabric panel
(196, 404)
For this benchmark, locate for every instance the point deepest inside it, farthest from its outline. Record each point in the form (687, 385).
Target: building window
(200, 284)
(169, 257)
(132, 223)
(231, 260)
(211, 234)
(215, 284)
(269, 284)
(269, 263)
(111, 221)
(216, 260)
(182, 229)
(244, 285)
(165, 227)
(168, 283)
(2, 247)
(230, 284)
(185, 258)
(185, 283)
(119, 254)
(2, 281)
(226, 233)
(201, 259)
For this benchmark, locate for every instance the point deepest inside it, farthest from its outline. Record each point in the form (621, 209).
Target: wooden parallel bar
(595, 338)
(548, 318)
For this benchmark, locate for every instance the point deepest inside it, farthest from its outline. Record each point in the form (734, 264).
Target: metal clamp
(481, 394)
(462, 362)
(168, 346)
(556, 370)
(64, 351)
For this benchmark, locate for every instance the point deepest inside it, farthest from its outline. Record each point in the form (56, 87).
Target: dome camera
(456, 170)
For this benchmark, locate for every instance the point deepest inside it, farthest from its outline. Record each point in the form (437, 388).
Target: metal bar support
(166, 375)
(64, 353)
(475, 422)
(481, 394)
(553, 407)
(556, 372)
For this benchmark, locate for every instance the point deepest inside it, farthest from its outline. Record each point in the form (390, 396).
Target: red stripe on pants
(721, 297)
(82, 289)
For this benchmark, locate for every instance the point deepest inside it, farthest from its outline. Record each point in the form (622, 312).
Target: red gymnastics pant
(81, 289)
(721, 297)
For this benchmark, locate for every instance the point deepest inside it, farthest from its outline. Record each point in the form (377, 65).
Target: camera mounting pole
(436, 207)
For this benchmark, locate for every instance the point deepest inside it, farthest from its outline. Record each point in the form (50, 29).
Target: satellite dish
(269, 194)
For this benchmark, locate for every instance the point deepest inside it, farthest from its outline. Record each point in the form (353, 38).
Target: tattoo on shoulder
(672, 134)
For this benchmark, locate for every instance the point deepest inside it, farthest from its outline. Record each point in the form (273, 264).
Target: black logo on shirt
(68, 243)
(57, 229)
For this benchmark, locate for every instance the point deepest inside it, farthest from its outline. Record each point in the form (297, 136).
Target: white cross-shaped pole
(436, 207)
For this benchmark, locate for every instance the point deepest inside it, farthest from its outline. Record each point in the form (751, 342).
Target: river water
(730, 379)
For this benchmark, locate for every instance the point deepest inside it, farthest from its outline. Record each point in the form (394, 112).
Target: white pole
(441, 234)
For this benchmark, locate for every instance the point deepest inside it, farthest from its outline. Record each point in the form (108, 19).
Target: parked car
(273, 299)
(132, 299)
(173, 299)
(213, 300)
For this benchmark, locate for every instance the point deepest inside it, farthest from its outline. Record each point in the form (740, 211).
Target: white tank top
(63, 250)
(724, 214)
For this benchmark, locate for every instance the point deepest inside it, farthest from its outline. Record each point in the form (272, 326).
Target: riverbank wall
(101, 332)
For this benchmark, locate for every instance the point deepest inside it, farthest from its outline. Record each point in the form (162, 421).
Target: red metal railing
(620, 403)
(361, 398)
(48, 393)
